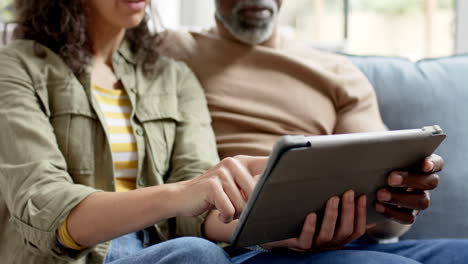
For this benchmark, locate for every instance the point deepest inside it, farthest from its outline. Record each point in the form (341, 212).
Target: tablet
(302, 173)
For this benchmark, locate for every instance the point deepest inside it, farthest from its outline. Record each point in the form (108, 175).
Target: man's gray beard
(250, 32)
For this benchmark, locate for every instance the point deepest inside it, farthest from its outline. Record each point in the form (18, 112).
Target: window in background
(407, 28)
(462, 27)
(5, 10)
(315, 21)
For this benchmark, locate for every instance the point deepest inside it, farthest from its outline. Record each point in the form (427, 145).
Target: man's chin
(252, 37)
(249, 31)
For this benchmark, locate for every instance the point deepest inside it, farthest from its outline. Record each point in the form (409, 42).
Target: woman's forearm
(105, 215)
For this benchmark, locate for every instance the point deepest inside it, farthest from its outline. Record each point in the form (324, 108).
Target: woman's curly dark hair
(61, 25)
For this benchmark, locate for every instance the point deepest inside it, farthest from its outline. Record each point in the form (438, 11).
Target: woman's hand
(226, 187)
(337, 229)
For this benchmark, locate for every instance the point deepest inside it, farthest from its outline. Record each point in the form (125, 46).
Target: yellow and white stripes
(116, 107)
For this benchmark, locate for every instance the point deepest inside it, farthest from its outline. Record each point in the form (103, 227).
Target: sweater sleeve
(357, 107)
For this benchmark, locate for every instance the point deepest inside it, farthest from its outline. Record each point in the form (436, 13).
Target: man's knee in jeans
(194, 249)
(453, 250)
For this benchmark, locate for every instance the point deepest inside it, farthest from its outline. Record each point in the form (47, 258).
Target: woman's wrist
(174, 199)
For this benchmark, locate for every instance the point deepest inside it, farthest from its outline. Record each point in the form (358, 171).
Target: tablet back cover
(304, 172)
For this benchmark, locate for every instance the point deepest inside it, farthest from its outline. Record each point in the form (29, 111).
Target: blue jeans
(137, 248)
(366, 252)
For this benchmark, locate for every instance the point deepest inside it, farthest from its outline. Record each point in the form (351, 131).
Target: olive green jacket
(54, 148)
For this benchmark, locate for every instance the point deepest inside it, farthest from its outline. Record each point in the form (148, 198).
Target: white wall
(462, 26)
(198, 14)
(186, 13)
(169, 12)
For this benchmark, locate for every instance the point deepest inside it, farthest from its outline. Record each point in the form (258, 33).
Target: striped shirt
(116, 107)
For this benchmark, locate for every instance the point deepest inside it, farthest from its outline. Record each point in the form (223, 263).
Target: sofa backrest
(430, 92)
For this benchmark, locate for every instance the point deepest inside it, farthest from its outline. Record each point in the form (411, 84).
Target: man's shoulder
(179, 36)
(184, 44)
(177, 44)
(318, 55)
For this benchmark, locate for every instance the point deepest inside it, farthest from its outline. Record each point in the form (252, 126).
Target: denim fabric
(362, 252)
(136, 248)
(453, 251)
(125, 246)
(133, 248)
(430, 92)
(328, 257)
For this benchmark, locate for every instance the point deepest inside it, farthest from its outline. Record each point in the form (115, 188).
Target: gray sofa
(428, 92)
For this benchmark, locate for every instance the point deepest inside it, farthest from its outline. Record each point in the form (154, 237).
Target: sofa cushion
(429, 92)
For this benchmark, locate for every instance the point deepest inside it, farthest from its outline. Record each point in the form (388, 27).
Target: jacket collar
(126, 53)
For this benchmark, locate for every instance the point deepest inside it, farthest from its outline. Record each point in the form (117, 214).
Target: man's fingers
(401, 215)
(327, 229)
(433, 163)
(346, 226)
(328, 239)
(306, 238)
(414, 181)
(360, 221)
(418, 200)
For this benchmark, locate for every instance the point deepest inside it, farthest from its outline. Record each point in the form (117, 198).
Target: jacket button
(142, 182)
(140, 132)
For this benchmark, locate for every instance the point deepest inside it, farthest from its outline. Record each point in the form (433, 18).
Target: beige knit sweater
(259, 93)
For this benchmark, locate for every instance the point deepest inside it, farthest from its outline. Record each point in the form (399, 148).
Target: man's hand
(352, 225)
(408, 193)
